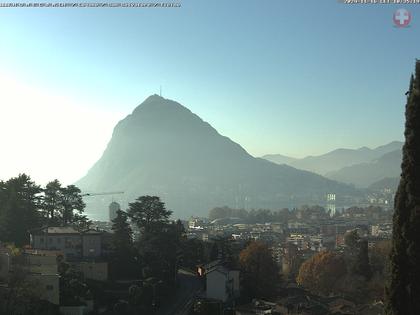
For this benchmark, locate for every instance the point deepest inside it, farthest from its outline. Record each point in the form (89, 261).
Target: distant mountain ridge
(360, 167)
(163, 149)
(336, 159)
(279, 159)
(387, 182)
(366, 174)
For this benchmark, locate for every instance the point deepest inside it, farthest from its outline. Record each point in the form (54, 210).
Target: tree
(160, 252)
(122, 239)
(357, 255)
(159, 244)
(351, 240)
(321, 272)
(52, 201)
(81, 222)
(362, 265)
(222, 249)
(220, 213)
(192, 253)
(148, 213)
(379, 258)
(71, 204)
(123, 263)
(73, 290)
(143, 298)
(19, 209)
(64, 206)
(260, 272)
(403, 290)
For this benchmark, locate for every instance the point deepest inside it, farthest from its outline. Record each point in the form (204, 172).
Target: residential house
(222, 283)
(74, 244)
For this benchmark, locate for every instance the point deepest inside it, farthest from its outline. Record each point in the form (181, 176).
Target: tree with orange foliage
(260, 273)
(321, 272)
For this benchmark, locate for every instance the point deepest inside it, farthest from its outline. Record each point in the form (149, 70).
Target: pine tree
(64, 206)
(403, 291)
(19, 209)
(72, 205)
(52, 201)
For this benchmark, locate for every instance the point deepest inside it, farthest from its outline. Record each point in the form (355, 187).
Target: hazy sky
(291, 77)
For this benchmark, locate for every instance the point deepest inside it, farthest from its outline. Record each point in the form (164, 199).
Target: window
(49, 287)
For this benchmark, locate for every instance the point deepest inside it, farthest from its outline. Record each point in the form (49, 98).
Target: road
(188, 286)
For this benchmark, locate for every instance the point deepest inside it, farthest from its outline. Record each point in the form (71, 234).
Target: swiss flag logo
(402, 18)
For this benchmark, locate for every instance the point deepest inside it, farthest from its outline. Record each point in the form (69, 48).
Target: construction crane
(103, 193)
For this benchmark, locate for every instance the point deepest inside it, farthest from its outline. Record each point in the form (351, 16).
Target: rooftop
(63, 230)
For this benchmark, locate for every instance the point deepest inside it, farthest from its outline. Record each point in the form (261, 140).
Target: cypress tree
(403, 291)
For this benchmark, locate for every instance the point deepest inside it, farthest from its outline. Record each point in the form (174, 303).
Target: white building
(221, 283)
(114, 207)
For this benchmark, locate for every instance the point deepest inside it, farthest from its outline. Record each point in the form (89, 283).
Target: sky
(292, 77)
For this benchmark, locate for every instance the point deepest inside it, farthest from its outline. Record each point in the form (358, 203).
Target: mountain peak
(154, 98)
(158, 104)
(164, 149)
